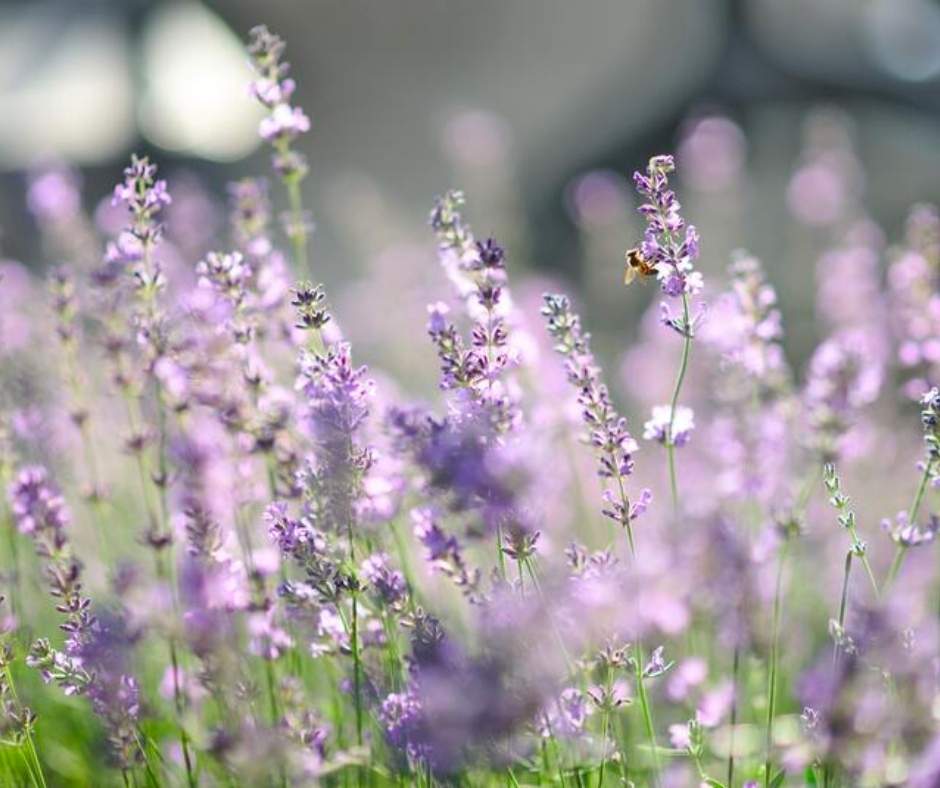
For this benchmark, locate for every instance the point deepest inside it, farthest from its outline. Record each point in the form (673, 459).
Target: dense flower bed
(231, 557)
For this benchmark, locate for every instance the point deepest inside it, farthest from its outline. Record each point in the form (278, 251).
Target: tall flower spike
(607, 430)
(91, 663)
(250, 215)
(284, 123)
(478, 271)
(914, 300)
(145, 197)
(930, 419)
(671, 246)
(669, 243)
(273, 88)
(443, 552)
(750, 332)
(845, 375)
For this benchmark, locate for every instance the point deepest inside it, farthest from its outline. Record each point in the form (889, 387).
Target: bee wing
(629, 274)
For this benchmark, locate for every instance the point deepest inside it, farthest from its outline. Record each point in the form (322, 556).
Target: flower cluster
(479, 272)
(87, 663)
(136, 250)
(607, 430)
(273, 88)
(145, 197)
(669, 243)
(908, 534)
(845, 374)
(444, 554)
(915, 304)
(337, 396)
(747, 328)
(930, 419)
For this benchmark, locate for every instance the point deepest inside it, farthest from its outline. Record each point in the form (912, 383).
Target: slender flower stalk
(671, 437)
(732, 726)
(930, 419)
(614, 447)
(62, 287)
(671, 247)
(145, 196)
(91, 662)
(858, 549)
(606, 430)
(8, 462)
(774, 659)
(273, 88)
(17, 721)
(478, 375)
(846, 518)
(478, 271)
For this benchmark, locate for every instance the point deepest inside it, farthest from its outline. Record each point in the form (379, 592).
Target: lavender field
(234, 555)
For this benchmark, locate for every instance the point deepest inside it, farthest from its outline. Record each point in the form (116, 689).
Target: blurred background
(793, 122)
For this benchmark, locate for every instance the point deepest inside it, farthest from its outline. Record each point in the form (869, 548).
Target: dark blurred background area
(792, 120)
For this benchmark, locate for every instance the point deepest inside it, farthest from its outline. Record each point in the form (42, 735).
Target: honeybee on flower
(636, 265)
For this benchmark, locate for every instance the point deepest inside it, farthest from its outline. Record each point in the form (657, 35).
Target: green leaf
(810, 776)
(777, 781)
(713, 783)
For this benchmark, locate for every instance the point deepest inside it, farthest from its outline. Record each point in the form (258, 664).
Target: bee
(636, 265)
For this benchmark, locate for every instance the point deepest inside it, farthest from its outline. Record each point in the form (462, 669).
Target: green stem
(500, 558)
(15, 568)
(29, 767)
(842, 603)
(30, 745)
(625, 502)
(275, 710)
(772, 680)
(401, 548)
(298, 231)
(37, 765)
(166, 571)
(680, 377)
(177, 691)
(901, 550)
(272, 691)
(697, 760)
(827, 766)
(647, 712)
(357, 667)
(641, 689)
(605, 728)
(569, 663)
(735, 668)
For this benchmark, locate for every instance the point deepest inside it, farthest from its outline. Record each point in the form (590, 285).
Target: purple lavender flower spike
(273, 88)
(93, 662)
(606, 430)
(478, 271)
(669, 243)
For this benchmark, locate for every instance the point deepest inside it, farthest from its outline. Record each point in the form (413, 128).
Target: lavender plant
(268, 565)
(671, 246)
